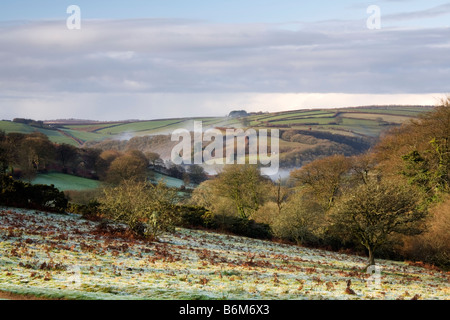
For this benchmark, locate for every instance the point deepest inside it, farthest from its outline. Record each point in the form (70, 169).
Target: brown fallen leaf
(330, 286)
(349, 290)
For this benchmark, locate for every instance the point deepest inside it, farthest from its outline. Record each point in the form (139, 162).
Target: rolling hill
(305, 134)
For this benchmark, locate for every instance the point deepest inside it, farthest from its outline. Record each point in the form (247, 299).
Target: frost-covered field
(64, 256)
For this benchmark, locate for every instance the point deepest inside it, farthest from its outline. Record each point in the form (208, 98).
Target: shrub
(83, 196)
(200, 217)
(47, 198)
(242, 226)
(16, 193)
(147, 209)
(90, 211)
(301, 221)
(194, 216)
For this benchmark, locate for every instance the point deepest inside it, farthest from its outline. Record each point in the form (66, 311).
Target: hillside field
(66, 182)
(357, 121)
(63, 256)
(305, 135)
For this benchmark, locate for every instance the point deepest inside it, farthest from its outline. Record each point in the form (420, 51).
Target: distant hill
(305, 134)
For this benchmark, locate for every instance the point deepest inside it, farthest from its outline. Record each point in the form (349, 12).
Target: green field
(9, 126)
(334, 127)
(66, 182)
(367, 121)
(54, 135)
(98, 132)
(360, 120)
(409, 111)
(86, 136)
(137, 126)
(287, 117)
(377, 117)
(169, 181)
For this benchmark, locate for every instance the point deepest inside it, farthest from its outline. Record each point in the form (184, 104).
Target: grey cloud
(437, 11)
(181, 56)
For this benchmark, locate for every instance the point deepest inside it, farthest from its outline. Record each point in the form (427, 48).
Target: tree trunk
(241, 211)
(371, 256)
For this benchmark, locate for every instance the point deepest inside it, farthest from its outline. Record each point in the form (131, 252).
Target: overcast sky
(156, 59)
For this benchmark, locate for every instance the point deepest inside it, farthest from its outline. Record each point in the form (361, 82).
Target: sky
(151, 59)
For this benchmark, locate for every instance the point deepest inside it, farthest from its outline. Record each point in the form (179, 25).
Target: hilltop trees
(237, 114)
(420, 151)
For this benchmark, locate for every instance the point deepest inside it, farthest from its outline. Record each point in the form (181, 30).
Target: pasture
(66, 182)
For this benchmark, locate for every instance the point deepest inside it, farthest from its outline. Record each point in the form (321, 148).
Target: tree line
(25, 155)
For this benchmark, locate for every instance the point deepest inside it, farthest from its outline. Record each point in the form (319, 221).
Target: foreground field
(63, 256)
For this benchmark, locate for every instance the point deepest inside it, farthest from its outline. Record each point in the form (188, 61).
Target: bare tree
(375, 210)
(244, 186)
(323, 178)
